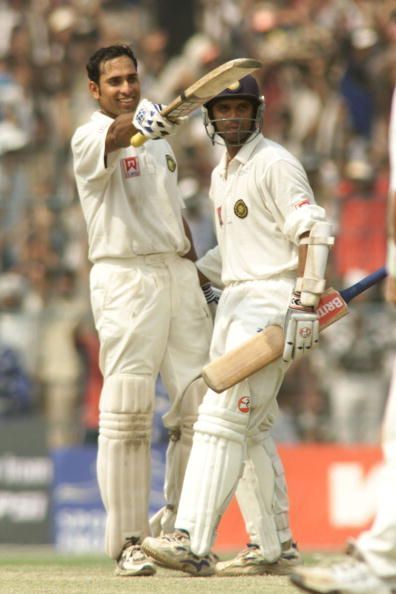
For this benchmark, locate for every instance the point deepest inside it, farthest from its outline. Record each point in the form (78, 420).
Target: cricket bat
(266, 346)
(204, 89)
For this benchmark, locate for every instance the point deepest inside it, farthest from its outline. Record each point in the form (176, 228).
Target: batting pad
(213, 469)
(177, 455)
(255, 495)
(281, 497)
(124, 460)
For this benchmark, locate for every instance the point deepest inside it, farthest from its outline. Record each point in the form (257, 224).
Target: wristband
(209, 293)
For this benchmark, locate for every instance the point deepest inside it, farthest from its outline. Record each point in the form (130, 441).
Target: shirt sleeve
(211, 266)
(88, 147)
(290, 198)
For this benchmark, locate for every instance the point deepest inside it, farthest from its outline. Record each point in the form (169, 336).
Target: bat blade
(267, 346)
(204, 89)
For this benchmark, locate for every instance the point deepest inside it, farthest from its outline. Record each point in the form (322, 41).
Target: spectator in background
(60, 366)
(19, 331)
(361, 201)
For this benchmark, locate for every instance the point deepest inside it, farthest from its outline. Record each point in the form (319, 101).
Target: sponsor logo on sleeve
(130, 166)
(301, 203)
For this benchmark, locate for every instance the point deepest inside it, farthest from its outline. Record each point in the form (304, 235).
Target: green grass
(44, 572)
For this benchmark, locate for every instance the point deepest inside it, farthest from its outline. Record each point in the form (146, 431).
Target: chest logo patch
(171, 163)
(130, 166)
(240, 209)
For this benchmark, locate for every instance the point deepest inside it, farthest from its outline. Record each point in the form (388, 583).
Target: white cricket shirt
(131, 204)
(263, 202)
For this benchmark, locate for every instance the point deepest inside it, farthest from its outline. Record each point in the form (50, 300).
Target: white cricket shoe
(343, 576)
(133, 561)
(173, 551)
(251, 561)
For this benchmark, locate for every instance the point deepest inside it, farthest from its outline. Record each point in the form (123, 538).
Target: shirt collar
(99, 115)
(244, 153)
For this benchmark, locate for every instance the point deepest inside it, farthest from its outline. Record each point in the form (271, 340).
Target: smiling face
(234, 120)
(118, 89)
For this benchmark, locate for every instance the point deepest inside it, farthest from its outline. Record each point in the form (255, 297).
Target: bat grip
(366, 282)
(138, 139)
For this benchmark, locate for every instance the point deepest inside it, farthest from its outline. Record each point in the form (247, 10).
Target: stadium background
(328, 72)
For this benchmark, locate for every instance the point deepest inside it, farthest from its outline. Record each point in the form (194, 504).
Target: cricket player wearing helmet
(273, 243)
(369, 567)
(149, 310)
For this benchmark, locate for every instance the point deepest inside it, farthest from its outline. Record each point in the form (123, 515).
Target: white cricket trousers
(378, 545)
(151, 317)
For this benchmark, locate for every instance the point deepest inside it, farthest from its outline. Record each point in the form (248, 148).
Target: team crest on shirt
(240, 209)
(130, 166)
(244, 404)
(171, 163)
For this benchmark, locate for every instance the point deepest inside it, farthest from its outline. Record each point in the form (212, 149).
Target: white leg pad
(124, 458)
(213, 470)
(281, 496)
(255, 495)
(177, 455)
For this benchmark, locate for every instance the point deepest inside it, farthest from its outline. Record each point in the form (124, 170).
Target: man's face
(118, 90)
(234, 119)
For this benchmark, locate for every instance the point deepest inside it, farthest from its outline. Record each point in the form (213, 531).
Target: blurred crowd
(329, 68)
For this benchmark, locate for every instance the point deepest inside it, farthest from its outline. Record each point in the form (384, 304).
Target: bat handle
(365, 283)
(138, 139)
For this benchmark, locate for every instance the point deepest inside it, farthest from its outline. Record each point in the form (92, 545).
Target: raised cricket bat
(267, 345)
(204, 89)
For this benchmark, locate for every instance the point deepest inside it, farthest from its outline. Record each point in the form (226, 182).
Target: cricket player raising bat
(150, 312)
(273, 244)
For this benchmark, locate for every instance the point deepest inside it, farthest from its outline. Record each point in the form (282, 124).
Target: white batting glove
(149, 121)
(212, 298)
(301, 329)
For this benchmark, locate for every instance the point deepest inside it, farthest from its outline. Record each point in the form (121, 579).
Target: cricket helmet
(246, 88)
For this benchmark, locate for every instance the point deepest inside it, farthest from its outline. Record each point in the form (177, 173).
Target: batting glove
(212, 298)
(149, 121)
(301, 329)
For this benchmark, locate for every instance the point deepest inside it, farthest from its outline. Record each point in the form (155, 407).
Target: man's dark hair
(103, 55)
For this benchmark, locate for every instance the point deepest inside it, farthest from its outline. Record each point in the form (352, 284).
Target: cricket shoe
(343, 576)
(133, 561)
(173, 551)
(251, 561)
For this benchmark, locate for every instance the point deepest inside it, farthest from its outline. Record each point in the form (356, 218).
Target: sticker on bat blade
(244, 404)
(329, 307)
